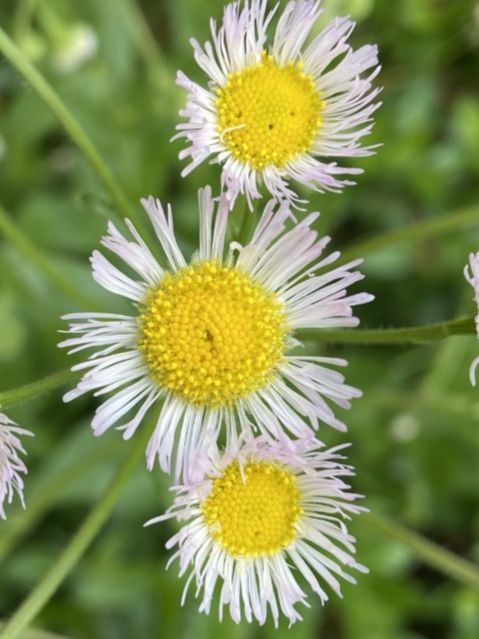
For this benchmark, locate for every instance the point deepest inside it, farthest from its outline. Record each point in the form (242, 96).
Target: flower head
(283, 112)
(263, 515)
(11, 465)
(471, 273)
(212, 337)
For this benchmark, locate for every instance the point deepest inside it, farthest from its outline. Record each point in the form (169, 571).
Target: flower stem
(412, 233)
(77, 546)
(245, 225)
(33, 633)
(147, 47)
(41, 386)
(24, 246)
(406, 335)
(46, 92)
(46, 493)
(443, 560)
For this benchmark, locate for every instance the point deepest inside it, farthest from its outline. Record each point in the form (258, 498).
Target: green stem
(412, 233)
(147, 46)
(47, 493)
(41, 386)
(407, 335)
(77, 546)
(24, 246)
(443, 560)
(33, 633)
(248, 220)
(18, 59)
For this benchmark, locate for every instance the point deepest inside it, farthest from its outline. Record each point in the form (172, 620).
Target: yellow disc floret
(268, 114)
(210, 334)
(252, 511)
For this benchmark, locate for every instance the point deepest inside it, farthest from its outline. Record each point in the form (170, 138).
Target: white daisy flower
(471, 273)
(211, 338)
(11, 465)
(281, 113)
(267, 519)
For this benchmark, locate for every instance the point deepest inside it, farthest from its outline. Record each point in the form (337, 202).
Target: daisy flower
(210, 338)
(471, 273)
(267, 519)
(11, 465)
(281, 112)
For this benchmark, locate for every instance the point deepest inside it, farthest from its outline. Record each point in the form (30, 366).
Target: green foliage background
(415, 432)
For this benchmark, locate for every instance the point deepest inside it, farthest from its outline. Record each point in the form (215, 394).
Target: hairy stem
(406, 335)
(39, 387)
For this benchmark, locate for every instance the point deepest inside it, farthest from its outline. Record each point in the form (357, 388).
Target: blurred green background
(415, 432)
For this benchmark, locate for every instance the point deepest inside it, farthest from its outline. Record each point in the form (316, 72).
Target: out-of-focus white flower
(266, 519)
(212, 337)
(11, 465)
(77, 45)
(471, 273)
(405, 427)
(279, 113)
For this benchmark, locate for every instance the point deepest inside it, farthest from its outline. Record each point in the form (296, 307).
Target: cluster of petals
(273, 426)
(12, 467)
(287, 262)
(343, 78)
(322, 551)
(277, 421)
(471, 273)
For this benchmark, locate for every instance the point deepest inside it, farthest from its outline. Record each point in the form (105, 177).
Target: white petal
(12, 467)
(163, 225)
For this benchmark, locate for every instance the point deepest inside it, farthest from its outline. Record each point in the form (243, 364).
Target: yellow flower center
(268, 114)
(252, 512)
(211, 335)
